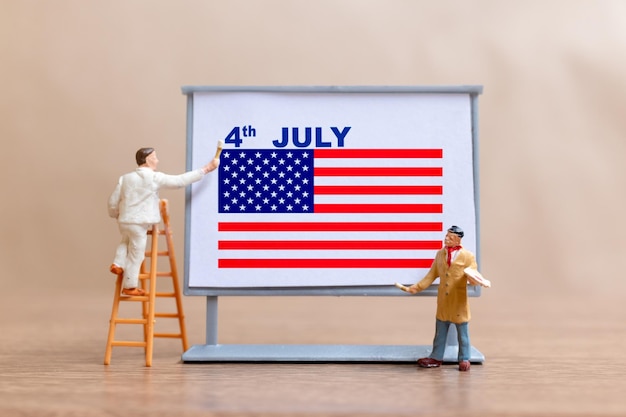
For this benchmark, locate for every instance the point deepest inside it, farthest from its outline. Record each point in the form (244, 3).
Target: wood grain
(542, 360)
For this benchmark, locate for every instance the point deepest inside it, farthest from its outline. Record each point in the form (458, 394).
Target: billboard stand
(212, 351)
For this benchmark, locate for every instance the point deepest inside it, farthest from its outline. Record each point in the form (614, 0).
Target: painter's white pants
(131, 251)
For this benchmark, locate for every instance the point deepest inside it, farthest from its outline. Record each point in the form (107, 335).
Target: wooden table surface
(545, 356)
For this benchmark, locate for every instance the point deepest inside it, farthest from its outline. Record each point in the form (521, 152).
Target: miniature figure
(452, 301)
(135, 205)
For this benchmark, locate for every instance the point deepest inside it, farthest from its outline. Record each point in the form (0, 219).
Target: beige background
(86, 83)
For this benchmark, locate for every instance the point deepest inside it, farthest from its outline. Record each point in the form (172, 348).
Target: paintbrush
(220, 146)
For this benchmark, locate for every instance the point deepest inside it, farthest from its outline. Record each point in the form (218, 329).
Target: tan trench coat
(452, 302)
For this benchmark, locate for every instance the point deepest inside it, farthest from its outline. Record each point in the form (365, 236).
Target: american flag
(329, 208)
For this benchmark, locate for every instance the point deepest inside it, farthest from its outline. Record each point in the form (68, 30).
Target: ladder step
(167, 315)
(165, 294)
(169, 335)
(158, 274)
(128, 343)
(130, 321)
(163, 253)
(136, 298)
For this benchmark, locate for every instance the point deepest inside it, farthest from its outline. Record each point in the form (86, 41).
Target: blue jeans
(441, 335)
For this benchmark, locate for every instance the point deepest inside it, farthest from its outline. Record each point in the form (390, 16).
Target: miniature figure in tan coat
(452, 301)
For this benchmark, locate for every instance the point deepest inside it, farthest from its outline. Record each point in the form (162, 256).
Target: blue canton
(266, 181)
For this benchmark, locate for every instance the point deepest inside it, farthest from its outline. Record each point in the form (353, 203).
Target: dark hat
(457, 231)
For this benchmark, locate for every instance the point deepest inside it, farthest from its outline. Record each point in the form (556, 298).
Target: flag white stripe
(383, 236)
(334, 254)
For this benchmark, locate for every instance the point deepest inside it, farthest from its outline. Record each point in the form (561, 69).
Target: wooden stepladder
(148, 279)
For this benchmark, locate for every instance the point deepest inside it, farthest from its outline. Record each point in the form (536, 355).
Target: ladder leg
(181, 315)
(154, 253)
(144, 304)
(114, 311)
(174, 273)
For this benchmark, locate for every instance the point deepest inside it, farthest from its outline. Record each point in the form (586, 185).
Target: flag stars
(266, 181)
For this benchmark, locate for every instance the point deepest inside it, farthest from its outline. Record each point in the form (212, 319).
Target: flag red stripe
(378, 153)
(328, 244)
(324, 263)
(378, 171)
(378, 189)
(378, 208)
(330, 226)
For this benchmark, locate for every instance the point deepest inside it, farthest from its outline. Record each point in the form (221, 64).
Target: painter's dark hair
(142, 154)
